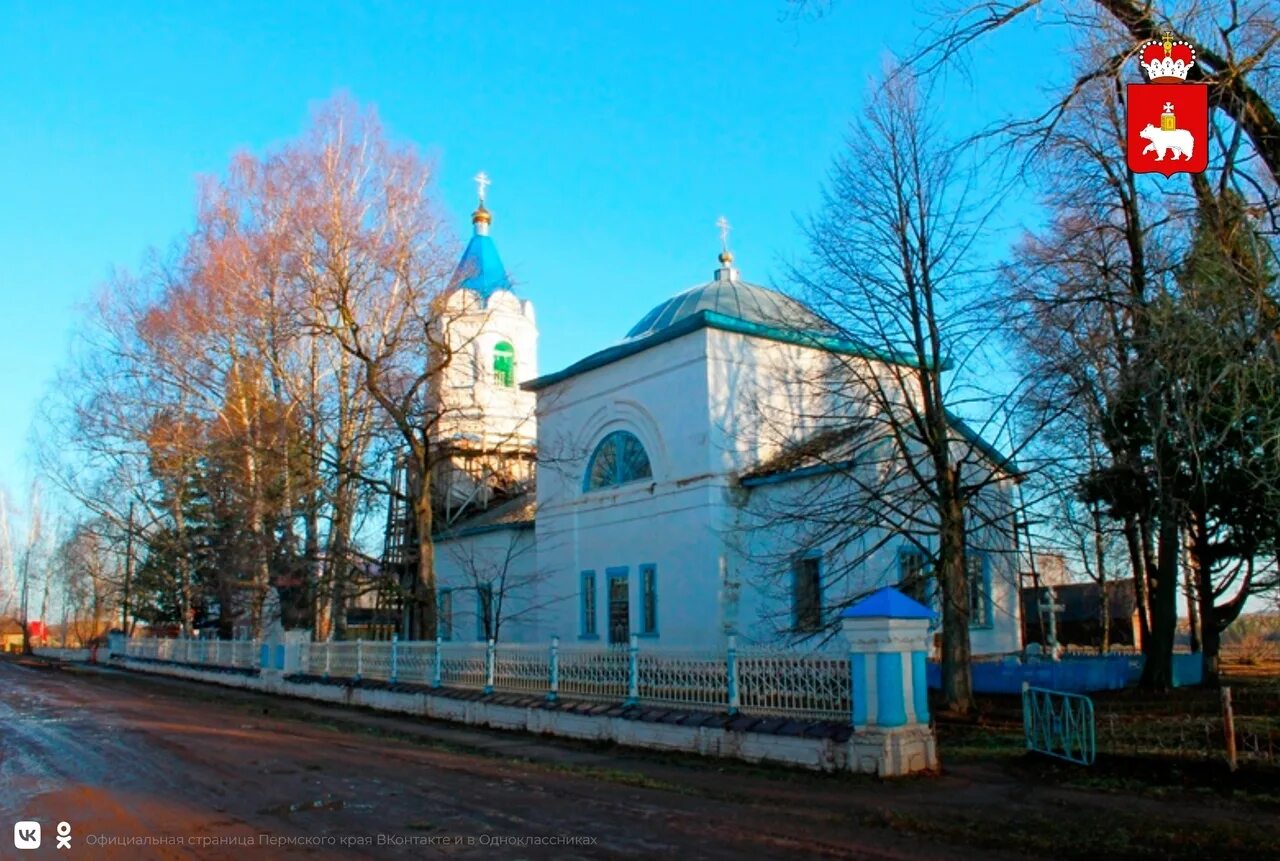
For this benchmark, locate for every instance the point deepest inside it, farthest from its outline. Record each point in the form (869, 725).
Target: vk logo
(26, 835)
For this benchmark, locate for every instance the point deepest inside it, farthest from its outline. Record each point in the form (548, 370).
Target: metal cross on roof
(482, 182)
(723, 224)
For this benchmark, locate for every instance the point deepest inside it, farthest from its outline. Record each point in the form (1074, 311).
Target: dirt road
(147, 767)
(150, 768)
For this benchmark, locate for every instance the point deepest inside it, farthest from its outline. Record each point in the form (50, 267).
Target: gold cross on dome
(482, 182)
(723, 224)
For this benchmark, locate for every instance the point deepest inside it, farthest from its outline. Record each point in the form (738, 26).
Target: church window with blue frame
(978, 570)
(504, 365)
(588, 605)
(619, 459)
(915, 576)
(649, 600)
(916, 580)
(806, 594)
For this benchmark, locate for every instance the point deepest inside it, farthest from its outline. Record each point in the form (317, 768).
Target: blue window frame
(444, 618)
(806, 594)
(618, 605)
(588, 613)
(648, 600)
(978, 570)
(484, 611)
(915, 576)
(619, 459)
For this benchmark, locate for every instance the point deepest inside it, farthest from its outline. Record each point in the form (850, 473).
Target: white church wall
(684, 399)
(767, 396)
(506, 560)
(766, 548)
(668, 523)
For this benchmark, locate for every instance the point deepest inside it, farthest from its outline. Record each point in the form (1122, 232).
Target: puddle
(327, 803)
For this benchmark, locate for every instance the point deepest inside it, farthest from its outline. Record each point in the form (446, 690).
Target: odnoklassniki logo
(1168, 119)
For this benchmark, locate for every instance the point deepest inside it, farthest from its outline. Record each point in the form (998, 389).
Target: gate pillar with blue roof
(888, 636)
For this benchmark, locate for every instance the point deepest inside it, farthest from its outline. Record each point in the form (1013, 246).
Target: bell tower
(486, 432)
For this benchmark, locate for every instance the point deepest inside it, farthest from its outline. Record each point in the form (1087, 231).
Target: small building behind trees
(1082, 617)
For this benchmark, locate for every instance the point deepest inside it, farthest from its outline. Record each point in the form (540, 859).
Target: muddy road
(150, 767)
(142, 767)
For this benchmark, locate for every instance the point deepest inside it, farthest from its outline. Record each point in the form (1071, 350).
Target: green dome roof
(731, 298)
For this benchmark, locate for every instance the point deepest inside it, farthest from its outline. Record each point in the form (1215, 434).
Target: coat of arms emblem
(1168, 119)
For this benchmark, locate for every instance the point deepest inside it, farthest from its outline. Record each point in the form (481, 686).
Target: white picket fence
(754, 681)
(243, 654)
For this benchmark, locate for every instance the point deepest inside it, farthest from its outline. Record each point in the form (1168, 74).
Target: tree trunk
(337, 555)
(422, 616)
(1100, 566)
(1210, 631)
(957, 678)
(1137, 563)
(1157, 673)
(1189, 588)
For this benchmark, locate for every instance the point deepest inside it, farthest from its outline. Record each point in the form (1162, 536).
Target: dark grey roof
(732, 298)
(518, 512)
(835, 449)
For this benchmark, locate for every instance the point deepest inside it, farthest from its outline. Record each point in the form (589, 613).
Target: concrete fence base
(883, 752)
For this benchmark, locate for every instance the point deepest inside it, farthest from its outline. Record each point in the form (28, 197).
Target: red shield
(1168, 128)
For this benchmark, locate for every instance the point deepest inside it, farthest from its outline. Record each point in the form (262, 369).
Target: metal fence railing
(784, 684)
(764, 682)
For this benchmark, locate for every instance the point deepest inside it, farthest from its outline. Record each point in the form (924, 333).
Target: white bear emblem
(1178, 140)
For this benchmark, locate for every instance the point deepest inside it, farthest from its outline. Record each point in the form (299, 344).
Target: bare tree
(1237, 52)
(222, 393)
(893, 273)
(31, 563)
(500, 569)
(372, 252)
(86, 567)
(8, 571)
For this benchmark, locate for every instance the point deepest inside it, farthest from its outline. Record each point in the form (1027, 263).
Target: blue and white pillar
(888, 636)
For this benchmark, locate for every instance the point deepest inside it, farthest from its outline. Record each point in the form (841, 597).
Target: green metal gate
(1059, 724)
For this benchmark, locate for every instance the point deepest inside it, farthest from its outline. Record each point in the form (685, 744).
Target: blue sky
(615, 135)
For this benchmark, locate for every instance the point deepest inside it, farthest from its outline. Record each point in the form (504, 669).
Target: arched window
(504, 365)
(620, 458)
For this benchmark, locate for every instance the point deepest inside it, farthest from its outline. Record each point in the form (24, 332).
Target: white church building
(627, 494)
